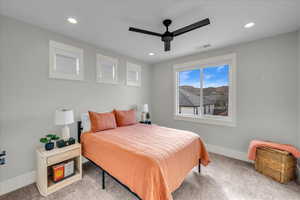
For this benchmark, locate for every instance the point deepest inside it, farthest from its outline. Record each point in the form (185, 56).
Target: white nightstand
(46, 159)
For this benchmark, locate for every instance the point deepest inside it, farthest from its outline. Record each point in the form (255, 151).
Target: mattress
(151, 160)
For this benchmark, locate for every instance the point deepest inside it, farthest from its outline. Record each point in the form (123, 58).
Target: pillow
(125, 117)
(102, 121)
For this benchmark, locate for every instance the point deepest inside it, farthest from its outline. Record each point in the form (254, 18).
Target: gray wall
(28, 98)
(266, 94)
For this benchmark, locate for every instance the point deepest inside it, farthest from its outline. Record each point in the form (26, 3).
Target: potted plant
(48, 141)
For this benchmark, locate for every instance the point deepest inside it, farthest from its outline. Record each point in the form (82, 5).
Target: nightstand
(46, 159)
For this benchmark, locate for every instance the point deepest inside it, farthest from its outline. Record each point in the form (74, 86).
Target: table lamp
(64, 117)
(145, 110)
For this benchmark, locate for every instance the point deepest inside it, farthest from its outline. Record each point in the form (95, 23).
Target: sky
(212, 77)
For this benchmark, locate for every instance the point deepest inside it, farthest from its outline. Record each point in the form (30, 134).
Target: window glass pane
(215, 90)
(132, 75)
(66, 64)
(189, 92)
(108, 71)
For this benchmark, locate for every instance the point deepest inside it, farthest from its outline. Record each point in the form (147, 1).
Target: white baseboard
(228, 152)
(17, 182)
(30, 177)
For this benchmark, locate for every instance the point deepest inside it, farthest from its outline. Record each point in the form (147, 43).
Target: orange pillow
(125, 117)
(102, 121)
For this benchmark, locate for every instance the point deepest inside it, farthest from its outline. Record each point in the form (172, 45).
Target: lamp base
(65, 133)
(143, 117)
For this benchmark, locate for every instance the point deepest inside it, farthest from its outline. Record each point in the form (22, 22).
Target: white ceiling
(105, 22)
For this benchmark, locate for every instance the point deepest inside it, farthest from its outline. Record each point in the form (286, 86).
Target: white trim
(17, 182)
(204, 63)
(206, 120)
(228, 152)
(67, 50)
(114, 62)
(207, 61)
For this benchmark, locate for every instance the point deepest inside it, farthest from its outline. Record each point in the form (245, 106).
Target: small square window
(107, 69)
(66, 62)
(133, 74)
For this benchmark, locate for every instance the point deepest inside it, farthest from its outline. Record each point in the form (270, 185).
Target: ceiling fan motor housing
(167, 37)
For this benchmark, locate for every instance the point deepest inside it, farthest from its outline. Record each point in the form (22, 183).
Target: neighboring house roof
(212, 99)
(188, 99)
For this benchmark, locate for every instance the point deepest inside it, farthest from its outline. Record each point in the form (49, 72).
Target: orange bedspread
(151, 160)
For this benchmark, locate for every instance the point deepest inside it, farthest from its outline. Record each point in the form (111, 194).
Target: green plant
(52, 136)
(49, 138)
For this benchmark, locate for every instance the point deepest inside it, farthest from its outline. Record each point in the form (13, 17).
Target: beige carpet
(223, 179)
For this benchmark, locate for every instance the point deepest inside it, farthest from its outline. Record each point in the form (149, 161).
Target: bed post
(103, 179)
(199, 166)
(79, 130)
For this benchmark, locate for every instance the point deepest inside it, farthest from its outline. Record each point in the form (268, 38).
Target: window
(66, 62)
(107, 69)
(133, 74)
(205, 91)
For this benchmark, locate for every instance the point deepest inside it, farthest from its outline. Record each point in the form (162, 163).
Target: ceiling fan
(167, 37)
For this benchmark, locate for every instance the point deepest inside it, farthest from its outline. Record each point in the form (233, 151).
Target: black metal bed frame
(79, 130)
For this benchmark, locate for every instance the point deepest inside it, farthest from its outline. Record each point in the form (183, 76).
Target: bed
(149, 160)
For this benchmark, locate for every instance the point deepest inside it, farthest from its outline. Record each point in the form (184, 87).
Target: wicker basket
(277, 164)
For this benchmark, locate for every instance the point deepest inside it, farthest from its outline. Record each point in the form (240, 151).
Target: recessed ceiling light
(249, 25)
(72, 20)
(151, 54)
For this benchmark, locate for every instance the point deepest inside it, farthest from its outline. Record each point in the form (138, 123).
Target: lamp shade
(145, 108)
(64, 117)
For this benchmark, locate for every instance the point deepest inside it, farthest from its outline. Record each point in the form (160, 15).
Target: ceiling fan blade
(167, 46)
(191, 27)
(144, 31)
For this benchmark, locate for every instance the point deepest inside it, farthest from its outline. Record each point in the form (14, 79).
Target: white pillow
(85, 122)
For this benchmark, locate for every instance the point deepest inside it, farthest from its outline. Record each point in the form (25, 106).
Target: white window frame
(114, 62)
(69, 51)
(229, 59)
(138, 70)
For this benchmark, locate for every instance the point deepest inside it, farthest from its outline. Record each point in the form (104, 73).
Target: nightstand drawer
(63, 156)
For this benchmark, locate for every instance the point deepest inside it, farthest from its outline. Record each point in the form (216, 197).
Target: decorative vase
(49, 146)
(143, 117)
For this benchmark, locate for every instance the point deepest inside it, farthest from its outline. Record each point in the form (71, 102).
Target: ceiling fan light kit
(168, 36)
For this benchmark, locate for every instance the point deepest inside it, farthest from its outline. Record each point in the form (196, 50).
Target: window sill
(108, 82)
(220, 122)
